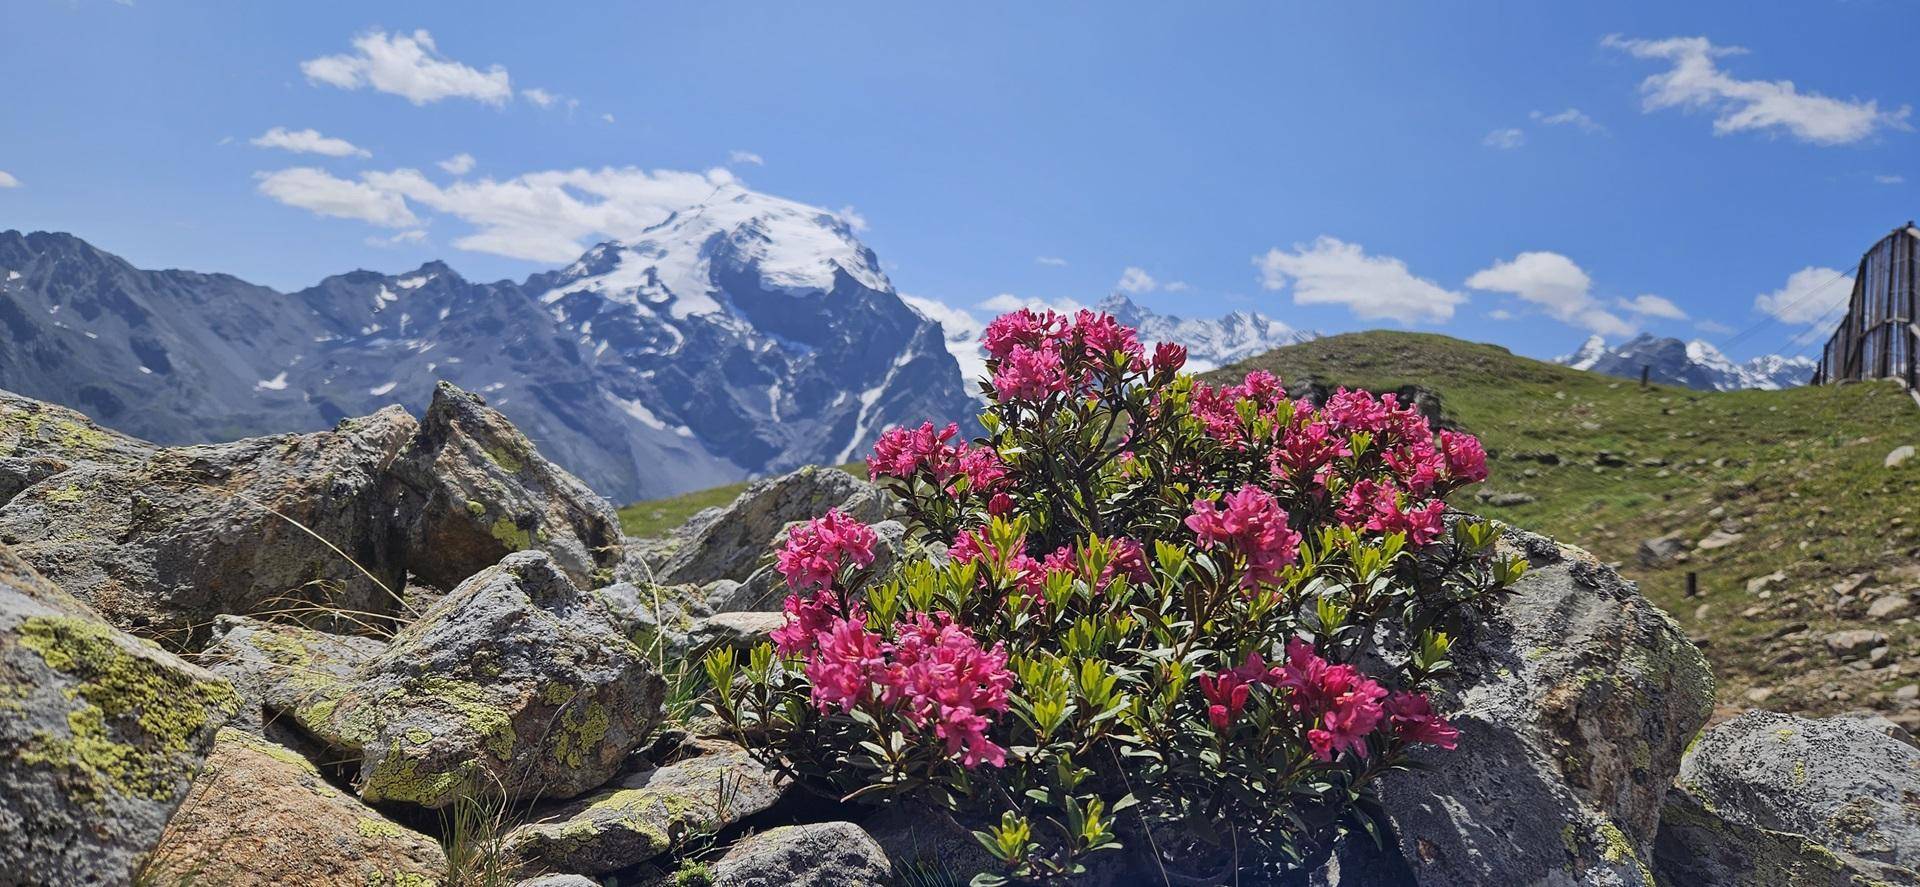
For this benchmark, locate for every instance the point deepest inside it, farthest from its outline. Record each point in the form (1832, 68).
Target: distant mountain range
(745, 336)
(1694, 364)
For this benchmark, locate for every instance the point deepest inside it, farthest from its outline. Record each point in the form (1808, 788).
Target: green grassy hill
(1797, 474)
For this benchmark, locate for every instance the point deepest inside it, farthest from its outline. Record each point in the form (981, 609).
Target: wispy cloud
(7, 180)
(404, 238)
(1649, 305)
(740, 158)
(459, 164)
(1054, 261)
(1505, 139)
(409, 66)
(1330, 271)
(607, 116)
(1136, 281)
(1810, 295)
(1712, 327)
(1573, 117)
(852, 218)
(307, 141)
(1890, 179)
(1557, 285)
(1696, 81)
(321, 192)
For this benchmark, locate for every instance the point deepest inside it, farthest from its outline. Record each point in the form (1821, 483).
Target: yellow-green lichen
(508, 461)
(67, 494)
(119, 693)
(510, 534)
(369, 827)
(487, 721)
(476, 507)
(274, 750)
(399, 778)
(579, 734)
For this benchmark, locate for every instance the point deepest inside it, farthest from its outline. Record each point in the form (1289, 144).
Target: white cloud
(738, 157)
(1696, 82)
(319, 191)
(408, 66)
(414, 236)
(459, 164)
(1890, 179)
(608, 117)
(1505, 139)
(1005, 302)
(1500, 314)
(1136, 280)
(7, 180)
(1333, 272)
(1054, 261)
(1809, 295)
(539, 97)
(852, 218)
(307, 141)
(1573, 117)
(1553, 282)
(1649, 305)
(1712, 327)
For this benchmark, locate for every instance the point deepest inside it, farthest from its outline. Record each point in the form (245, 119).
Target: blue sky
(1499, 172)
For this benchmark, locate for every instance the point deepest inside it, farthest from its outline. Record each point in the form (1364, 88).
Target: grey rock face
(655, 614)
(640, 377)
(1573, 710)
(100, 736)
(826, 854)
(39, 440)
(735, 542)
(301, 524)
(648, 813)
(516, 683)
(281, 669)
(1827, 801)
(1661, 550)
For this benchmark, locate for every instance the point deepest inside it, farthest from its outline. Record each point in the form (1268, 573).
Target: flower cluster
(1253, 526)
(816, 550)
(1099, 580)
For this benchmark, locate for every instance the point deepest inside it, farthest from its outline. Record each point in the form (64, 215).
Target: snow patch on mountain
(1696, 364)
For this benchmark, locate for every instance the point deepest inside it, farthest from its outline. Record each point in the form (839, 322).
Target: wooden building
(1880, 336)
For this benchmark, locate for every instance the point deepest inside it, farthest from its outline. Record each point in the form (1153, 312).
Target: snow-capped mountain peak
(1695, 364)
(1210, 343)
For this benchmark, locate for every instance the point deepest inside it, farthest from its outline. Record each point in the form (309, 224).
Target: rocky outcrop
(734, 541)
(39, 440)
(516, 684)
(649, 813)
(282, 669)
(324, 526)
(1573, 708)
(826, 854)
(260, 814)
(472, 489)
(100, 736)
(1777, 799)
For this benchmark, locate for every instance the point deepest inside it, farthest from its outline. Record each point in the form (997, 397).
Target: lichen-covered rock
(162, 541)
(733, 542)
(473, 489)
(281, 669)
(165, 544)
(651, 615)
(100, 735)
(738, 630)
(260, 814)
(1777, 799)
(39, 440)
(826, 854)
(516, 683)
(1573, 708)
(649, 813)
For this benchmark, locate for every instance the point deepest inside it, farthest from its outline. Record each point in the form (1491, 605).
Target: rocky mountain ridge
(1696, 364)
(745, 336)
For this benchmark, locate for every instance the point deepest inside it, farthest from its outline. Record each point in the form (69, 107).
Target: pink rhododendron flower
(1102, 335)
(1378, 507)
(901, 452)
(1345, 703)
(806, 619)
(1023, 327)
(940, 675)
(1254, 526)
(982, 468)
(1169, 357)
(816, 550)
(1306, 445)
(1226, 694)
(1218, 409)
(1412, 719)
(1416, 464)
(1125, 557)
(972, 545)
(843, 668)
(1466, 459)
(1030, 373)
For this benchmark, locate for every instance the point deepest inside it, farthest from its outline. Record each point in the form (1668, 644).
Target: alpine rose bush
(1190, 622)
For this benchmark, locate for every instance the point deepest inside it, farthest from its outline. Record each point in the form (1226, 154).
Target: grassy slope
(1799, 472)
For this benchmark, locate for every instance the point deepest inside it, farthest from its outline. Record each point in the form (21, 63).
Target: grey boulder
(100, 736)
(281, 669)
(826, 854)
(515, 684)
(734, 541)
(1771, 798)
(1573, 706)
